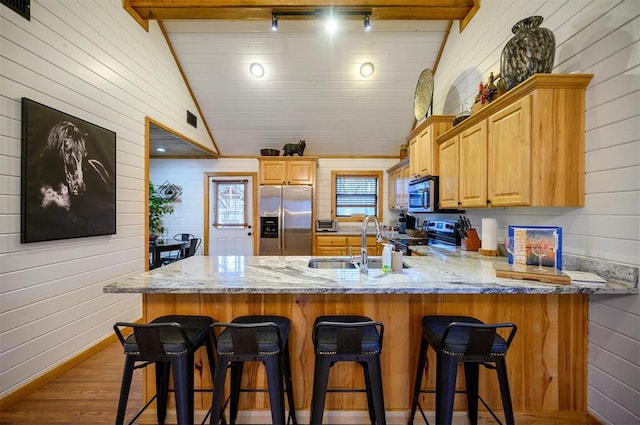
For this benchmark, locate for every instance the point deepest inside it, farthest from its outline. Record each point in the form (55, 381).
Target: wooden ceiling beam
(450, 10)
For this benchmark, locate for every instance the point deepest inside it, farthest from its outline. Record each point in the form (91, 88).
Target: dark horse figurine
(291, 148)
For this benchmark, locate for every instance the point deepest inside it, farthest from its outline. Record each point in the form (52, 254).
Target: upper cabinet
(524, 149)
(287, 170)
(423, 151)
(398, 192)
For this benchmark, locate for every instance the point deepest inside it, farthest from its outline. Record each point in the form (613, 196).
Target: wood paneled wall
(546, 362)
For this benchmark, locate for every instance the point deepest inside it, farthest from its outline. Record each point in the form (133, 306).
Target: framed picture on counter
(532, 243)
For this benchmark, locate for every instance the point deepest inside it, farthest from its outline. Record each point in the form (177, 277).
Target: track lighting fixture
(321, 13)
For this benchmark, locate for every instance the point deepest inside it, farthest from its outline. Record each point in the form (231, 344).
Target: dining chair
(183, 236)
(193, 248)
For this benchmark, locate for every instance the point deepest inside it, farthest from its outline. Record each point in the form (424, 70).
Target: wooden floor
(88, 394)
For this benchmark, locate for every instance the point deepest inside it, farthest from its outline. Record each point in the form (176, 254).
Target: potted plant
(159, 206)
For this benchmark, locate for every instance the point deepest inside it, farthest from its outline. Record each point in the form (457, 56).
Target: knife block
(471, 242)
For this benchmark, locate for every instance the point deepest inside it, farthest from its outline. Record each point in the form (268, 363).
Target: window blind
(229, 206)
(356, 195)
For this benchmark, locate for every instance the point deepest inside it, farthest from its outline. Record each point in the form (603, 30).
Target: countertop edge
(444, 273)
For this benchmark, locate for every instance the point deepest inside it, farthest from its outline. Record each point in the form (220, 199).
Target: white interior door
(231, 214)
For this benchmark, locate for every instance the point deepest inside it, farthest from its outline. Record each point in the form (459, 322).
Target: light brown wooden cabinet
(449, 173)
(287, 170)
(423, 151)
(339, 245)
(398, 185)
(509, 156)
(524, 149)
(472, 154)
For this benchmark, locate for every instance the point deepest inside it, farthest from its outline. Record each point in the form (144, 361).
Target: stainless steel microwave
(423, 195)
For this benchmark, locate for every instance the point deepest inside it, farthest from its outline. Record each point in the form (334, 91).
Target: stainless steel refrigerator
(285, 220)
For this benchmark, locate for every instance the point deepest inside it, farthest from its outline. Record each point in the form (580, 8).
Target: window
(229, 206)
(355, 194)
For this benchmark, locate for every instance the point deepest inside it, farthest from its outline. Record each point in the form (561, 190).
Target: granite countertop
(441, 271)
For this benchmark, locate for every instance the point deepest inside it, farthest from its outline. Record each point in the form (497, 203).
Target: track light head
(274, 22)
(367, 22)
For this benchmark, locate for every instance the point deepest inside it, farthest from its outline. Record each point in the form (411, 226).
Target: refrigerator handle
(282, 215)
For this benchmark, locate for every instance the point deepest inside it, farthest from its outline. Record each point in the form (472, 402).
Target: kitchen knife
(462, 223)
(461, 226)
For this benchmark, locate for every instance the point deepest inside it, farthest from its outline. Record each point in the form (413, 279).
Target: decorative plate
(424, 94)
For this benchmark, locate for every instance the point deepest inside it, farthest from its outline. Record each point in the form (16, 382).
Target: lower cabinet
(337, 246)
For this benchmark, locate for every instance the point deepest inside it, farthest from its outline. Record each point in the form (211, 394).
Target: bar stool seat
(348, 338)
(169, 342)
(254, 338)
(467, 340)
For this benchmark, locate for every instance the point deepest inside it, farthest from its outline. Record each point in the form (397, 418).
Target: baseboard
(49, 376)
(592, 420)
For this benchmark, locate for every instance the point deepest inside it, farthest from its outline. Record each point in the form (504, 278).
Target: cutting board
(547, 274)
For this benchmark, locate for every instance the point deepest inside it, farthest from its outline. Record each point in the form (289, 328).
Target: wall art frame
(68, 184)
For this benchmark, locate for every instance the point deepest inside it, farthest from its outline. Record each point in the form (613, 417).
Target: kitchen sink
(340, 263)
(331, 263)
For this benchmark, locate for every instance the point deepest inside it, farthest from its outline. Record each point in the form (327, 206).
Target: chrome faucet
(364, 262)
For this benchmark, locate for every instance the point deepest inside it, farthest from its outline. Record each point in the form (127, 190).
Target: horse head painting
(65, 154)
(69, 188)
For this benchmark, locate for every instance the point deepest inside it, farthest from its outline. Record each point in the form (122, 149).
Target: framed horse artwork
(68, 176)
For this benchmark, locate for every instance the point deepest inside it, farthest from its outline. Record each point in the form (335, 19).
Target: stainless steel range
(444, 232)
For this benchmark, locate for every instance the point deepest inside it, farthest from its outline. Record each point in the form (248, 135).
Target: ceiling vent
(192, 119)
(22, 7)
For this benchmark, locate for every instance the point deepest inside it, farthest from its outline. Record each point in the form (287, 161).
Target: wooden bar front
(547, 361)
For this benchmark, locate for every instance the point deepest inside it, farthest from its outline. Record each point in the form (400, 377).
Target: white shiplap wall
(90, 59)
(188, 218)
(188, 213)
(600, 37)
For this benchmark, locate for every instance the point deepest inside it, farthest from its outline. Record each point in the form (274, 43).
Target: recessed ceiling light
(366, 69)
(161, 149)
(256, 70)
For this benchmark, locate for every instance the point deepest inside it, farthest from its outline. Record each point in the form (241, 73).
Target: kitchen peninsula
(547, 362)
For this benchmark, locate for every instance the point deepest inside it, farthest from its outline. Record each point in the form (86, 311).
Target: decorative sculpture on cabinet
(291, 148)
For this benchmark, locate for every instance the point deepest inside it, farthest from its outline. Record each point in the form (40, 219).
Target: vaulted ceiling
(311, 88)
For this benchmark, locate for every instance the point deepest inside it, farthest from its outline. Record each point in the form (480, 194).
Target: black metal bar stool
(348, 338)
(169, 342)
(462, 339)
(254, 338)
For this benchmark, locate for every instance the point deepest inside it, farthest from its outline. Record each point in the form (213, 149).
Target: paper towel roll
(396, 261)
(489, 234)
